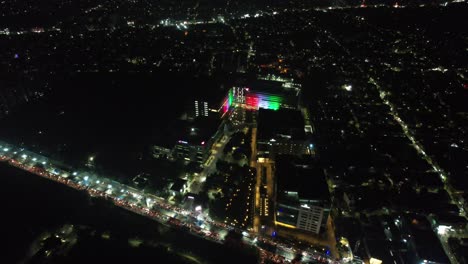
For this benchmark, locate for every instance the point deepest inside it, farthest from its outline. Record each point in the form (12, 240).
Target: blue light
(273, 234)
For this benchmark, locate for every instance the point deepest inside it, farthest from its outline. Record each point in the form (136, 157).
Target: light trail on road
(148, 205)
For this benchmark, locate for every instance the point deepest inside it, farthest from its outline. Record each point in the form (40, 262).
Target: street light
(348, 87)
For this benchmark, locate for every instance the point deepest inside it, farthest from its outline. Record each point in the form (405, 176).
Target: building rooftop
(178, 185)
(280, 124)
(303, 180)
(192, 132)
(288, 97)
(272, 87)
(198, 131)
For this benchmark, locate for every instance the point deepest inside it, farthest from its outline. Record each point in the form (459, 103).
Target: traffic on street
(154, 207)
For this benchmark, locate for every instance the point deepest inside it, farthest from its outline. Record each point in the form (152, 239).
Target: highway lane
(147, 205)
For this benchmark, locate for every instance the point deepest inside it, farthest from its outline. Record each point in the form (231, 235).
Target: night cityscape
(282, 131)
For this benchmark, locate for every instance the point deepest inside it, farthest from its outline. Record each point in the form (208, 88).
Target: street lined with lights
(149, 205)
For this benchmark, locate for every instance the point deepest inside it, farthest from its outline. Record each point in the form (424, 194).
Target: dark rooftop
(198, 131)
(194, 132)
(271, 87)
(280, 123)
(293, 174)
(178, 184)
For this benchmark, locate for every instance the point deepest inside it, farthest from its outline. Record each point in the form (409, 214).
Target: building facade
(305, 215)
(200, 108)
(302, 198)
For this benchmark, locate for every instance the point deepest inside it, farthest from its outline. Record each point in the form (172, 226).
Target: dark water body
(33, 205)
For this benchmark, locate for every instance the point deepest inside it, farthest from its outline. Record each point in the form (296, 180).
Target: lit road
(209, 166)
(253, 164)
(144, 204)
(419, 148)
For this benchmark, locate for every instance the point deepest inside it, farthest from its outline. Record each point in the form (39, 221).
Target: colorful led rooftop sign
(265, 101)
(254, 100)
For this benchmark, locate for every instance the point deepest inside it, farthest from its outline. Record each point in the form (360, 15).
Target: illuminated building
(229, 101)
(303, 200)
(264, 93)
(201, 108)
(254, 100)
(195, 139)
(188, 140)
(262, 100)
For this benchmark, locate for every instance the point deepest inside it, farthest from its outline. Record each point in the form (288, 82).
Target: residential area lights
(383, 96)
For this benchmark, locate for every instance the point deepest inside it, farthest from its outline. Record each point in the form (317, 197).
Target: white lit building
(201, 108)
(303, 200)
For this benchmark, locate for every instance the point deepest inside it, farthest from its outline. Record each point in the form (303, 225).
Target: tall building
(302, 197)
(195, 138)
(200, 108)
